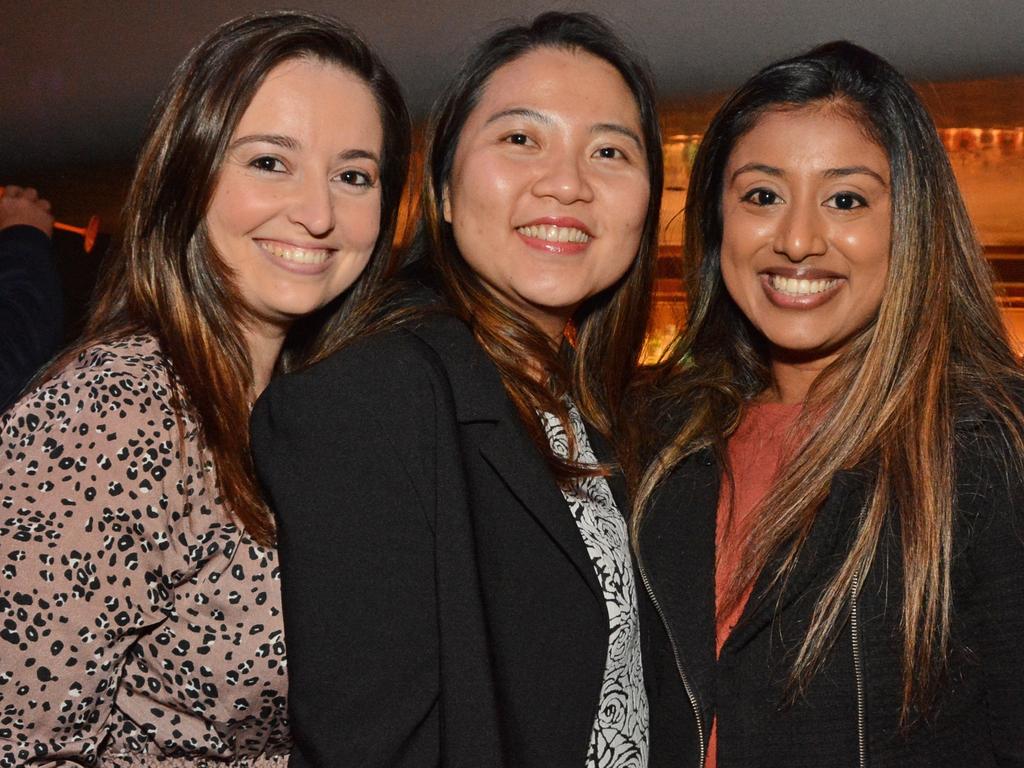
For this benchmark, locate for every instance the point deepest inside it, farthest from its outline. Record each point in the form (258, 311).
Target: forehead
(572, 81)
(303, 94)
(813, 137)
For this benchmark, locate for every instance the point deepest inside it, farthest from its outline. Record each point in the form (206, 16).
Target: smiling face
(549, 186)
(806, 230)
(296, 209)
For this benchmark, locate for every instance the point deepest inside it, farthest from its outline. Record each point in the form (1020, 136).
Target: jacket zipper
(679, 665)
(858, 672)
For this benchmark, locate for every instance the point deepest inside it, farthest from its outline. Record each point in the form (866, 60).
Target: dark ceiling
(77, 77)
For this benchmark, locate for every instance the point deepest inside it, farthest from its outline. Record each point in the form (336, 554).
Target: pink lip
(804, 301)
(557, 221)
(296, 267)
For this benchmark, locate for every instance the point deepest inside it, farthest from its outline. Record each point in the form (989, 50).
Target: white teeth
(553, 234)
(295, 254)
(799, 287)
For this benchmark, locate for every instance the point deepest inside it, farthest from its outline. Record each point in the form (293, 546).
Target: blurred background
(78, 78)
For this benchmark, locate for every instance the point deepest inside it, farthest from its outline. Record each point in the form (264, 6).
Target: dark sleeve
(996, 556)
(31, 308)
(345, 452)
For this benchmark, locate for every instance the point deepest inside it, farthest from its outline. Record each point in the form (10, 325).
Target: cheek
(638, 213)
(626, 214)
(362, 223)
(744, 235)
(237, 208)
(728, 272)
(868, 251)
(627, 197)
(480, 185)
(741, 283)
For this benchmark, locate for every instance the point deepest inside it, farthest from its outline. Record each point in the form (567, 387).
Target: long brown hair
(166, 279)
(609, 327)
(888, 405)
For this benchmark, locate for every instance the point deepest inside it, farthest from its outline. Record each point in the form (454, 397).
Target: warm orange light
(88, 232)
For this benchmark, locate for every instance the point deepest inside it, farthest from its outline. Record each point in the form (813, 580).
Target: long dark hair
(609, 327)
(887, 405)
(166, 279)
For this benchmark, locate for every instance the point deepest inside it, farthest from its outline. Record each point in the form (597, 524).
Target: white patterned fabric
(619, 736)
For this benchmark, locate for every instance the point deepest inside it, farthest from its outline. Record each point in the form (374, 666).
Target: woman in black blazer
(457, 583)
(832, 536)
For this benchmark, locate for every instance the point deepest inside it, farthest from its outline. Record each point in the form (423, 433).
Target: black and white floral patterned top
(140, 625)
(619, 736)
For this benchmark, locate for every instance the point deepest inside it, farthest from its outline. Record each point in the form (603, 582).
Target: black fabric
(31, 308)
(440, 607)
(978, 718)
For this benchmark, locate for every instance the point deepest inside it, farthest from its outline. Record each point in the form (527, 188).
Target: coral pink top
(757, 450)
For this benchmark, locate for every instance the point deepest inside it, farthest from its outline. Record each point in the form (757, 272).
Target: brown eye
(356, 178)
(847, 201)
(762, 197)
(267, 163)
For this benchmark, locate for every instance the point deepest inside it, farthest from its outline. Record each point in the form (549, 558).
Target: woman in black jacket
(457, 580)
(831, 533)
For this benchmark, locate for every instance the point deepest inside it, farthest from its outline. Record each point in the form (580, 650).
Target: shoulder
(988, 431)
(656, 409)
(396, 361)
(112, 381)
(388, 383)
(988, 456)
(100, 441)
(135, 362)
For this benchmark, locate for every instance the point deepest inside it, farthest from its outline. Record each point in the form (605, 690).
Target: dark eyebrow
(287, 142)
(529, 114)
(831, 173)
(770, 170)
(853, 170)
(621, 130)
(540, 117)
(359, 154)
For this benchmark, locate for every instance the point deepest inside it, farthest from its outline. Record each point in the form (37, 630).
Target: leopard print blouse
(140, 626)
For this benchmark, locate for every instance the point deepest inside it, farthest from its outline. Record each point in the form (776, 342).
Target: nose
(564, 177)
(313, 206)
(801, 232)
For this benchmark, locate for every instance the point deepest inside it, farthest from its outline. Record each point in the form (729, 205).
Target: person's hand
(22, 205)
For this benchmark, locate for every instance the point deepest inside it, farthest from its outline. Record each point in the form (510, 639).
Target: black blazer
(440, 607)
(849, 714)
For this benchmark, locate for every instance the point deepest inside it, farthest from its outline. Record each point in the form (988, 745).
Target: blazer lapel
(516, 460)
(479, 396)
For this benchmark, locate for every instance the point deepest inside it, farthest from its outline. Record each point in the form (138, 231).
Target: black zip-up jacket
(849, 714)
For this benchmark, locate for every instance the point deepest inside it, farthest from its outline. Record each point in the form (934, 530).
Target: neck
(554, 329)
(792, 378)
(264, 342)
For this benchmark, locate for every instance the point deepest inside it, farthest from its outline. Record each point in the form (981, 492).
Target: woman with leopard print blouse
(139, 584)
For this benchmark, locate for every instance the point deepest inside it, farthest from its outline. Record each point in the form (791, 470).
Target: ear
(446, 204)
